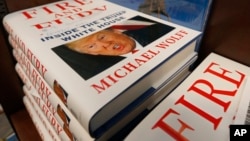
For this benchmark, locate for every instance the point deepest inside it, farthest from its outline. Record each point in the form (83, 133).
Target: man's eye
(91, 46)
(101, 37)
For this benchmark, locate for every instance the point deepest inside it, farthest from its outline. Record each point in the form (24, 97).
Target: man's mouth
(117, 47)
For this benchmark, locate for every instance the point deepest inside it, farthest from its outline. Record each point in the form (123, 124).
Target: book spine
(39, 68)
(48, 118)
(64, 116)
(242, 115)
(42, 131)
(41, 115)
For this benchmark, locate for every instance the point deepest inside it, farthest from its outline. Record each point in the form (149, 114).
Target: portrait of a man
(95, 53)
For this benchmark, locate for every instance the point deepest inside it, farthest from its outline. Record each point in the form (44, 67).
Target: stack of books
(91, 67)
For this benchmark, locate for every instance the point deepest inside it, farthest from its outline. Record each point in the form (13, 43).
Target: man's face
(106, 42)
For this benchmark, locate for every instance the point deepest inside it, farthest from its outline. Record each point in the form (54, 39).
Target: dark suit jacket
(88, 66)
(84, 64)
(150, 33)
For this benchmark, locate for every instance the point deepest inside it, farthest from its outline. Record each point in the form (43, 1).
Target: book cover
(200, 108)
(96, 83)
(43, 132)
(191, 13)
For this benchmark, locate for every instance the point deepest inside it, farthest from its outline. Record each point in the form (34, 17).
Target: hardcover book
(70, 43)
(200, 108)
(56, 130)
(191, 13)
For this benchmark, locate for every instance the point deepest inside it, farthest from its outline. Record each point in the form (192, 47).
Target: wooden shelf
(24, 126)
(11, 86)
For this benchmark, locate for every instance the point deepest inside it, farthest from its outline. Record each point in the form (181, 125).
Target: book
(71, 126)
(191, 13)
(56, 129)
(201, 108)
(43, 132)
(57, 27)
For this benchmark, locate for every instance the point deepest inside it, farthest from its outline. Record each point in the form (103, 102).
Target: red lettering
(84, 13)
(47, 24)
(64, 6)
(99, 88)
(112, 78)
(28, 14)
(172, 39)
(210, 95)
(129, 67)
(46, 9)
(61, 6)
(210, 118)
(223, 74)
(34, 78)
(171, 131)
(29, 54)
(120, 75)
(83, 2)
(140, 61)
(181, 32)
